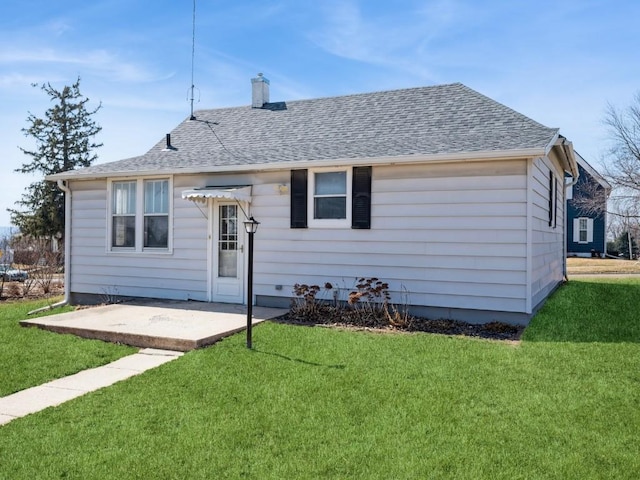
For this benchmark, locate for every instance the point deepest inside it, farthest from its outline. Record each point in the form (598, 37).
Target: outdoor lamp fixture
(251, 226)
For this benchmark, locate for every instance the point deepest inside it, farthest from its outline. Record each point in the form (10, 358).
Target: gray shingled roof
(444, 119)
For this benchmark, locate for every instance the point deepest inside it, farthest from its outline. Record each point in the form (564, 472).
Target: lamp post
(251, 226)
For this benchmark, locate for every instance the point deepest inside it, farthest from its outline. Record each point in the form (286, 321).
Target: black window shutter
(555, 206)
(551, 198)
(361, 198)
(298, 198)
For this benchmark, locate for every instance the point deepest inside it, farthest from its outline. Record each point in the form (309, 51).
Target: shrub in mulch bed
(369, 307)
(353, 318)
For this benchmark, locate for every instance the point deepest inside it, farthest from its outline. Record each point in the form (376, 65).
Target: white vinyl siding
(450, 235)
(180, 275)
(583, 230)
(547, 245)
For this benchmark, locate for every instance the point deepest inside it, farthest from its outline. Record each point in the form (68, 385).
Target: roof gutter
(394, 160)
(62, 185)
(566, 148)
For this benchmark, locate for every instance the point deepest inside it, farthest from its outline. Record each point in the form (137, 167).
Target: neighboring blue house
(586, 231)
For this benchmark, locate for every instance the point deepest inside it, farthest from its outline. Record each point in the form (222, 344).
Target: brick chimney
(259, 91)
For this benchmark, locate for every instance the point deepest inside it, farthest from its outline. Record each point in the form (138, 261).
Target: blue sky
(559, 62)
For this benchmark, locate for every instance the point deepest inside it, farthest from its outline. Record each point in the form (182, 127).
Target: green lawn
(312, 403)
(29, 356)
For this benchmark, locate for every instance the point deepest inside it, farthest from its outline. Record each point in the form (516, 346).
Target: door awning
(241, 193)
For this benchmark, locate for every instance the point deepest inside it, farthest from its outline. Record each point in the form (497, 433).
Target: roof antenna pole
(193, 54)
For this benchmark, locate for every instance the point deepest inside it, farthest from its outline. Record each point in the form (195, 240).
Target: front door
(227, 254)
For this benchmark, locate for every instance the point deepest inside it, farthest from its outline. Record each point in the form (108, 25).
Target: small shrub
(48, 266)
(371, 293)
(372, 305)
(369, 305)
(110, 296)
(399, 318)
(306, 292)
(308, 306)
(28, 285)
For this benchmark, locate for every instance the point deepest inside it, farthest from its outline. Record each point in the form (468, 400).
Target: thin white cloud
(401, 41)
(13, 79)
(58, 27)
(99, 62)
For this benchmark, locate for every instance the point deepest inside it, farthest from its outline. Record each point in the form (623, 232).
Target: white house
(455, 200)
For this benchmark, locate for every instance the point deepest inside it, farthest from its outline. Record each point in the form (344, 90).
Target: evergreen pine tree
(622, 245)
(63, 141)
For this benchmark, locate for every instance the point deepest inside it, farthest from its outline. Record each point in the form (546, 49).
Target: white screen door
(228, 254)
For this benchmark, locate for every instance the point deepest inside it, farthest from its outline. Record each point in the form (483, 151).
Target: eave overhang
(564, 150)
(341, 162)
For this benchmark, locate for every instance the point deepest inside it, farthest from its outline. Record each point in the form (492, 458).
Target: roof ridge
(417, 122)
(348, 95)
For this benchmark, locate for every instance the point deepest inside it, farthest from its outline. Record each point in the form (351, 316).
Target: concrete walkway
(164, 329)
(64, 389)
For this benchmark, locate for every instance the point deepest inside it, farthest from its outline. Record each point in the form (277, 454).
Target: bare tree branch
(621, 170)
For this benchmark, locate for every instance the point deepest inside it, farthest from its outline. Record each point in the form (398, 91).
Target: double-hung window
(123, 214)
(330, 195)
(333, 198)
(583, 230)
(156, 213)
(140, 215)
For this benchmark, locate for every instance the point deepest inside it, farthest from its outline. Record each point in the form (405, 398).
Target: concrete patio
(167, 325)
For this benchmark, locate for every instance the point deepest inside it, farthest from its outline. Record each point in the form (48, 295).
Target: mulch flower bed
(348, 318)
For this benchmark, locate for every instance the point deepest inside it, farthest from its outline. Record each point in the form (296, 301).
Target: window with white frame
(582, 234)
(140, 214)
(156, 213)
(334, 198)
(330, 195)
(123, 214)
(583, 230)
